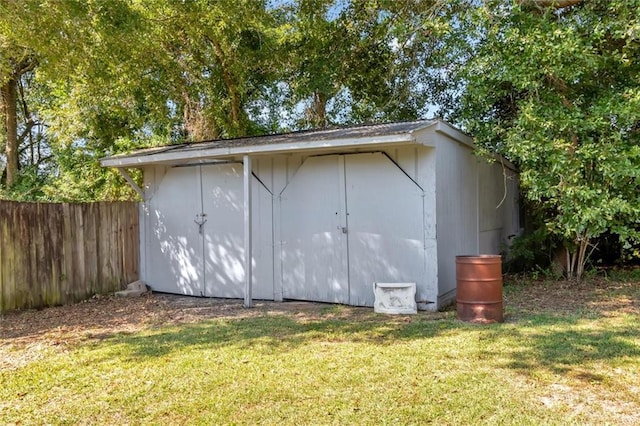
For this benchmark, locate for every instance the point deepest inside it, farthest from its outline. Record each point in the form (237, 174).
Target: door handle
(200, 220)
(343, 229)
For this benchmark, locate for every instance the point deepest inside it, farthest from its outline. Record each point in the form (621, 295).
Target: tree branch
(30, 124)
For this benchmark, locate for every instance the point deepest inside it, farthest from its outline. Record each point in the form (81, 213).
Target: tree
(355, 61)
(557, 91)
(82, 80)
(109, 76)
(15, 62)
(50, 51)
(213, 59)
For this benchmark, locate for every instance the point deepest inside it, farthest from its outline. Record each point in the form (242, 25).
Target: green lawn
(346, 366)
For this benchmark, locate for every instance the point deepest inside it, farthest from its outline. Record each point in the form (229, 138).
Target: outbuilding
(322, 214)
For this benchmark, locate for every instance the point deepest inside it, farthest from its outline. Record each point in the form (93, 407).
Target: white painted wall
(498, 206)
(223, 201)
(457, 210)
(385, 220)
(174, 251)
(314, 254)
(511, 215)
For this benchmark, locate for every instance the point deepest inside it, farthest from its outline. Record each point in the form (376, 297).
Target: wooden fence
(59, 253)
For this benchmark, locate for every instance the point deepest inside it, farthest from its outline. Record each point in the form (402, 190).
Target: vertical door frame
(248, 237)
(343, 218)
(201, 233)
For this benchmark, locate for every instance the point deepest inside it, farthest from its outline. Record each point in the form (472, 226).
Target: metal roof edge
(448, 130)
(177, 156)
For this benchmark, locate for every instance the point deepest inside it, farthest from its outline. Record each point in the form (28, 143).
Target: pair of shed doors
(348, 221)
(196, 242)
(345, 222)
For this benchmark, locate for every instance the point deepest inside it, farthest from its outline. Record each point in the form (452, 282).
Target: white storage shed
(323, 214)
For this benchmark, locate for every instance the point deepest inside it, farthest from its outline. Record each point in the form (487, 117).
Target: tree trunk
(232, 89)
(318, 111)
(577, 257)
(583, 244)
(573, 267)
(198, 126)
(3, 134)
(9, 100)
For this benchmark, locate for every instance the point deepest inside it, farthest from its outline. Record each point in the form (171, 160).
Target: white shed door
(208, 260)
(314, 250)
(385, 216)
(349, 221)
(174, 245)
(223, 203)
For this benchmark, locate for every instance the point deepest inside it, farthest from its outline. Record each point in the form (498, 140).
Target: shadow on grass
(553, 342)
(565, 345)
(564, 328)
(270, 333)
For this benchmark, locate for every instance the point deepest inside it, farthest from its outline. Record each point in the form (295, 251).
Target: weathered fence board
(59, 253)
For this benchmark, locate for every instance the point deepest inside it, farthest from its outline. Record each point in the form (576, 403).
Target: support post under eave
(248, 250)
(130, 181)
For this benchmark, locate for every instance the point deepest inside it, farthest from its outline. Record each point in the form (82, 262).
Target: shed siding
(386, 226)
(284, 167)
(175, 258)
(491, 190)
(498, 200)
(425, 160)
(180, 257)
(457, 210)
(511, 214)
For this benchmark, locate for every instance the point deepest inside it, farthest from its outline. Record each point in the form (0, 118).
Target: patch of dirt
(29, 335)
(566, 297)
(581, 402)
(104, 315)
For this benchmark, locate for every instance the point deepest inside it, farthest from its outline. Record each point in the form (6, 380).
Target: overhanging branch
(557, 4)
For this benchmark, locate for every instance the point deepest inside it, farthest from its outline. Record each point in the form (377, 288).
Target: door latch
(200, 220)
(343, 229)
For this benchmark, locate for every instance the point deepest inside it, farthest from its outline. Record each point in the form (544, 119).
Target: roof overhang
(221, 153)
(321, 140)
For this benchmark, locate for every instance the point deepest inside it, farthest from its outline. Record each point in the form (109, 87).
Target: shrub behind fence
(59, 253)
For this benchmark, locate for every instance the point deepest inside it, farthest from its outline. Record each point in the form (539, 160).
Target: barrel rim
(480, 256)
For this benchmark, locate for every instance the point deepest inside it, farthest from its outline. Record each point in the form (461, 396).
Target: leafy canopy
(557, 91)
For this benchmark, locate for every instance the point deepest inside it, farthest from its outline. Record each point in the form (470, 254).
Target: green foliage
(212, 60)
(79, 177)
(557, 91)
(530, 252)
(144, 72)
(628, 275)
(78, 96)
(358, 61)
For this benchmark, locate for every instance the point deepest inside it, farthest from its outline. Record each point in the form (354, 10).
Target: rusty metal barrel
(479, 293)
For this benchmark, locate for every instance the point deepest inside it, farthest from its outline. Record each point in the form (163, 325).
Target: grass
(540, 367)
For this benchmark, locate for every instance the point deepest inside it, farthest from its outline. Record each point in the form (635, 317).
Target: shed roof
(376, 134)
